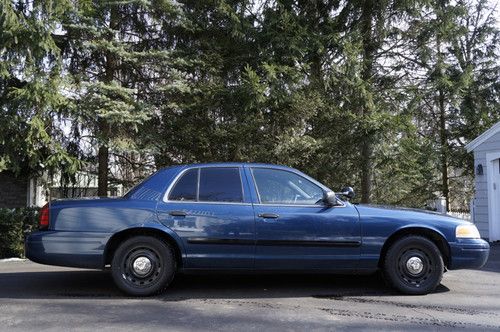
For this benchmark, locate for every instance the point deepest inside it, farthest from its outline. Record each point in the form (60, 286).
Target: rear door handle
(268, 215)
(177, 213)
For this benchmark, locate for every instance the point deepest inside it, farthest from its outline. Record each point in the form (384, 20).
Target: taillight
(44, 217)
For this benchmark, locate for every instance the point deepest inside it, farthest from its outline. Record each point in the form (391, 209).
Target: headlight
(467, 232)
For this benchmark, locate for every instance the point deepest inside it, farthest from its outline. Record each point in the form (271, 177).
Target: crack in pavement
(455, 310)
(430, 321)
(407, 319)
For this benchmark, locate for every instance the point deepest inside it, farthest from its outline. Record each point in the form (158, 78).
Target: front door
(494, 201)
(295, 230)
(210, 209)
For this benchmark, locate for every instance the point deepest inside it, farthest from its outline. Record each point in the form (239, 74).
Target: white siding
(480, 217)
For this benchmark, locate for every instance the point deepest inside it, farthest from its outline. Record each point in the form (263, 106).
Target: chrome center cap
(414, 265)
(142, 265)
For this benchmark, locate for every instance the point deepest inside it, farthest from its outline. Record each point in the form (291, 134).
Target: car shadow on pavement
(279, 286)
(99, 284)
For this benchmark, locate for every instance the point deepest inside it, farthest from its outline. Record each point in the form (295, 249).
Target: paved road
(37, 297)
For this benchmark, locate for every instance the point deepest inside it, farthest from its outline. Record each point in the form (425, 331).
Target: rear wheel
(143, 266)
(414, 265)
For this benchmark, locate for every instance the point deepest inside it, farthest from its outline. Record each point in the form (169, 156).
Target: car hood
(407, 214)
(399, 208)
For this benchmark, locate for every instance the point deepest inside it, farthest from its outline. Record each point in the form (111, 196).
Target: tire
(414, 265)
(143, 266)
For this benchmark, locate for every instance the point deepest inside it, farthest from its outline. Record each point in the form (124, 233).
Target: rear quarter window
(186, 187)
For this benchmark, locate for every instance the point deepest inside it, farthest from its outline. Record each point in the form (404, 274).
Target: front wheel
(414, 265)
(143, 266)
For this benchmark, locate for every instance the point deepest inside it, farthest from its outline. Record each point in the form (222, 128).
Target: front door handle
(268, 215)
(177, 213)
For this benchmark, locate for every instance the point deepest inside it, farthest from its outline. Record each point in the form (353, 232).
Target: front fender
(423, 227)
(376, 242)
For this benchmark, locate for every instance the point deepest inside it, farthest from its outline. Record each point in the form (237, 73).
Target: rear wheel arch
(118, 238)
(428, 233)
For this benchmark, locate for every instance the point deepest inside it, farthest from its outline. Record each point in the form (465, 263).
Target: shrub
(14, 225)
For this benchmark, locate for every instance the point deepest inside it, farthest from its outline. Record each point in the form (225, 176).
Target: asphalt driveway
(37, 297)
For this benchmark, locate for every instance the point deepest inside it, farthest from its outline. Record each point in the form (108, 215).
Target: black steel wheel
(143, 266)
(414, 265)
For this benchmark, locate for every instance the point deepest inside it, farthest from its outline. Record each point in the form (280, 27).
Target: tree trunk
(366, 146)
(444, 149)
(103, 126)
(102, 180)
(443, 135)
(366, 170)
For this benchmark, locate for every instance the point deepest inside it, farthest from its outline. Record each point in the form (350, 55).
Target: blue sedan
(249, 217)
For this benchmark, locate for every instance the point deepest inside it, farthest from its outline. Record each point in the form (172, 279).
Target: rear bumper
(469, 254)
(72, 249)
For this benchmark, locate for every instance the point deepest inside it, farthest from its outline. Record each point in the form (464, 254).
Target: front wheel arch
(430, 234)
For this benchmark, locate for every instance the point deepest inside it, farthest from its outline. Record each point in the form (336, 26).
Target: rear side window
(220, 185)
(185, 188)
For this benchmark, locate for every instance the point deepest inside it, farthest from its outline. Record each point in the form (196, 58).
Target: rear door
(294, 228)
(210, 209)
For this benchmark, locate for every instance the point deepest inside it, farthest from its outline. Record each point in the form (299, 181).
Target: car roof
(232, 164)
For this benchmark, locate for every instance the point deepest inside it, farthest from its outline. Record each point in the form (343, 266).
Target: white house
(21, 192)
(486, 206)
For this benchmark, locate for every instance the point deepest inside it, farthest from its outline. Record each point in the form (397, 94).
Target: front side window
(185, 189)
(282, 187)
(220, 185)
(210, 184)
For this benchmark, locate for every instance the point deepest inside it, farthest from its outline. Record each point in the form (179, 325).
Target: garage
(486, 206)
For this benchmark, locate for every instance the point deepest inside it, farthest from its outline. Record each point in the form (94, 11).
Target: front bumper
(468, 254)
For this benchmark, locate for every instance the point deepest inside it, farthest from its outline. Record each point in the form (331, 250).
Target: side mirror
(329, 198)
(347, 192)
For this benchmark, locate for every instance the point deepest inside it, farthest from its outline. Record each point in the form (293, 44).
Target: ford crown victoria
(249, 217)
